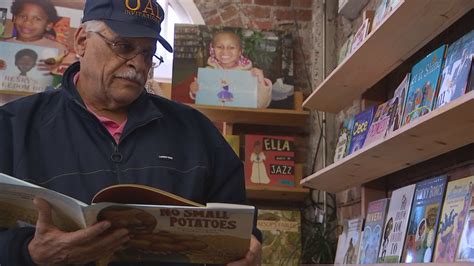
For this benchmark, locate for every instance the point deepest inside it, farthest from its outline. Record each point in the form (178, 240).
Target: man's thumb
(44, 212)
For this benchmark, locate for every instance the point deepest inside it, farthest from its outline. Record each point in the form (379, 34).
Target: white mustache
(131, 74)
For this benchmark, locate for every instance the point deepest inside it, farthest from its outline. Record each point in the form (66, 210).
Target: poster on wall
(268, 55)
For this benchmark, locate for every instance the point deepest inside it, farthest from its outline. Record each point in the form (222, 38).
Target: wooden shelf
(236, 115)
(262, 192)
(410, 26)
(440, 131)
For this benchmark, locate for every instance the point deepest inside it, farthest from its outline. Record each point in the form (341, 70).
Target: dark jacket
(52, 140)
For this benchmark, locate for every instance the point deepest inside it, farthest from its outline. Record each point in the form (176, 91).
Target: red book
(269, 160)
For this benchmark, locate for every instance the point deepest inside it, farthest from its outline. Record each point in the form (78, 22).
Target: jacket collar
(140, 112)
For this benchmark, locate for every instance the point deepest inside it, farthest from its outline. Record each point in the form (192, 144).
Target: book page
(219, 233)
(18, 210)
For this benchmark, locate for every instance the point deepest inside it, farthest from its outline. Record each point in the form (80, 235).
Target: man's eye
(123, 47)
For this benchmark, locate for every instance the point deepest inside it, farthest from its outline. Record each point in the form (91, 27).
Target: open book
(161, 229)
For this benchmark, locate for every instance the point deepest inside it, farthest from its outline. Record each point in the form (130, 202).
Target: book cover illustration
(362, 122)
(380, 13)
(395, 228)
(465, 250)
(19, 70)
(281, 230)
(239, 49)
(380, 123)
(374, 222)
(345, 49)
(424, 81)
(269, 160)
(455, 73)
(3, 20)
(344, 138)
(348, 242)
(234, 142)
(397, 104)
(424, 218)
(177, 230)
(453, 214)
(360, 35)
(226, 88)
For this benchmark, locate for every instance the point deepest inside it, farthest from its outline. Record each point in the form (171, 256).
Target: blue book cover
(423, 85)
(454, 78)
(424, 219)
(19, 70)
(235, 88)
(370, 242)
(360, 129)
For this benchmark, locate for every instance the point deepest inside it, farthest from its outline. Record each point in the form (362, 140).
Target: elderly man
(101, 128)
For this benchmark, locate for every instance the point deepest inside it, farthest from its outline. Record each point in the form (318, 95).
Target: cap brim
(133, 31)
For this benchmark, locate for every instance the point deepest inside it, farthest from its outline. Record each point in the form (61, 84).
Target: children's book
(19, 70)
(226, 88)
(374, 222)
(269, 160)
(455, 209)
(348, 242)
(424, 81)
(424, 218)
(3, 20)
(344, 138)
(465, 252)
(380, 123)
(470, 84)
(379, 13)
(234, 142)
(176, 230)
(395, 228)
(345, 49)
(397, 104)
(360, 35)
(362, 122)
(456, 70)
(281, 230)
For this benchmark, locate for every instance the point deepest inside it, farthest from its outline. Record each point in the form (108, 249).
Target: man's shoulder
(28, 105)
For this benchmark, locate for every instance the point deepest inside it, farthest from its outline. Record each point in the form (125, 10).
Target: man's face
(31, 23)
(25, 63)
(118, 82)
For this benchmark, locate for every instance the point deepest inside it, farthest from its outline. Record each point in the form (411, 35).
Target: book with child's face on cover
(238, 49)
(19, 67)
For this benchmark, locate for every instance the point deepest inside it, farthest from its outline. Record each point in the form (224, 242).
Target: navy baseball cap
(129, 18)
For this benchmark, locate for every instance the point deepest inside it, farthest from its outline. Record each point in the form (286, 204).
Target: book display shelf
(270, 117)
(401, 34)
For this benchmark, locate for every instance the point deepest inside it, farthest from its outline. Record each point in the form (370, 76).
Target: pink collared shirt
(115, 129)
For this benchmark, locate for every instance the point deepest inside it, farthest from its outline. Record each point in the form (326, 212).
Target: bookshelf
(408, 28)
(442, 130)
(236, 115)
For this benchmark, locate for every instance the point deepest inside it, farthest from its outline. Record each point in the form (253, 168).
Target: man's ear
(80, 40)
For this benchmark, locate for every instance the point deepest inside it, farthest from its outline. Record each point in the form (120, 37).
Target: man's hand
(52, 246)
(253, 256)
